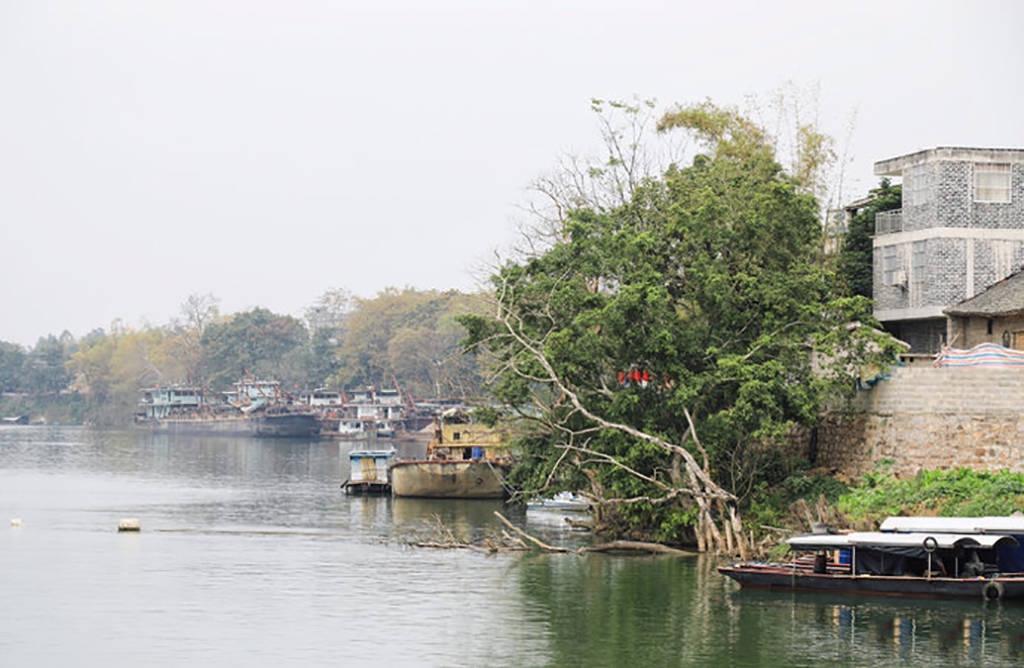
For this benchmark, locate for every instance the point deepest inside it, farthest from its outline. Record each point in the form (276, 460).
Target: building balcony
(888, 222)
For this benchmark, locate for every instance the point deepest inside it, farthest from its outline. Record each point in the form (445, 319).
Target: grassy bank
(934, 493)
(806, 498)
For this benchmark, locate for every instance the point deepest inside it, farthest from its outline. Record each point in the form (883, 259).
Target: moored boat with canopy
(932, 564)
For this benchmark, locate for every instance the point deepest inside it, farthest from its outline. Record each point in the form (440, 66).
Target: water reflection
(666, 611)
(612, 611)
(250, 543)
(880, 630)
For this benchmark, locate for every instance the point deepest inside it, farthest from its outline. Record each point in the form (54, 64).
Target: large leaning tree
(661, 347)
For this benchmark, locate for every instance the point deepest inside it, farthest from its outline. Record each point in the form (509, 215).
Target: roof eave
(983, 314)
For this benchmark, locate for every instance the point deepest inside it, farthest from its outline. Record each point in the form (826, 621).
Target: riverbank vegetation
(407, 336)
(65, 408)
(666, 342)
(942, 493)
(810, 498)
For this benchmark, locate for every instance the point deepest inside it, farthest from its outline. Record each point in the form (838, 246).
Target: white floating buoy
(15, 521)
(130, 524)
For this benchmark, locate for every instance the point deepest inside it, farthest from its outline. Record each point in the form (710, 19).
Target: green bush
(956, 492)
(770, 504)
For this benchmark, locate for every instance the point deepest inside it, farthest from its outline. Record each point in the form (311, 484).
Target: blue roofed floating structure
(959, 557)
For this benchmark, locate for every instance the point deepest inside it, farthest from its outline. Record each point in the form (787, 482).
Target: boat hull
(286, 425)
(448, 479)
(782, 578)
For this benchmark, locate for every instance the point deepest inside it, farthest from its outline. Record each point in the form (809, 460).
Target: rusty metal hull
(448, 479)
(284, 425)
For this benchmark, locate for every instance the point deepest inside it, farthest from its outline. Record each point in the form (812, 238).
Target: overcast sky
(266, 151)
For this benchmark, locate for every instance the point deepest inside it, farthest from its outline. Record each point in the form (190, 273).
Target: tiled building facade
(960, 230)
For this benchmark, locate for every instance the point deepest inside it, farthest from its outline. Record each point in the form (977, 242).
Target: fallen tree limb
(512, 539)
(636, 546)
(466, 546)
(507, 542)
(535, 541)
(633, 545)
(579, 524)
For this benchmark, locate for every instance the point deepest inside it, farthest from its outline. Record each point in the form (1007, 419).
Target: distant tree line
(407, 336)
(39, 370)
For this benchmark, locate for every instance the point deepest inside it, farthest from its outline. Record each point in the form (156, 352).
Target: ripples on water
(251, 554)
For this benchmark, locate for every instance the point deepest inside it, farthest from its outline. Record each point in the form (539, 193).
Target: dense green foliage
(855, 260)
(12, 361)
(257, 342)
(944, 493)
(412, 335)
(41, 370)
(68, 408)
(110, 368)
(707, 282)
(770, 504)
(406, 335)
(44, 369)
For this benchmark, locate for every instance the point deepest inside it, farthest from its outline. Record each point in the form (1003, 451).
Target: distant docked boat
(465, 460)
(367, 413)
(253, 408)
(918, 557)
(14, 420)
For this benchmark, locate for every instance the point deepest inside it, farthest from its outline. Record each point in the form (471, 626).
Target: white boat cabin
(324, 397)
(160, 402)
(370, 466)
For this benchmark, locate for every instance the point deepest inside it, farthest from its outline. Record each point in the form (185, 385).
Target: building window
(890, 265)
(992, 183)
(918, 262)
(917, 185)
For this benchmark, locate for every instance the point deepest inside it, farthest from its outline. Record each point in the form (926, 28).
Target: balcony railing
(887, 222)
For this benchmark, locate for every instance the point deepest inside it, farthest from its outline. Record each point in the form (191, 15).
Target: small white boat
(562, 502)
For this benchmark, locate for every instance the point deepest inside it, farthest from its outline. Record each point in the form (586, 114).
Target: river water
(250, 554)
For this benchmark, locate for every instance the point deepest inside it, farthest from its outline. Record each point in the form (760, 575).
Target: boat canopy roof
(385, 452)
(962, 525)
(897, 541)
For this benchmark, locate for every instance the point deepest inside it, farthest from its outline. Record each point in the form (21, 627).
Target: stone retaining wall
(927, 418)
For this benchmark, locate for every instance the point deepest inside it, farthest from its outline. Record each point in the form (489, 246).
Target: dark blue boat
(918, 564)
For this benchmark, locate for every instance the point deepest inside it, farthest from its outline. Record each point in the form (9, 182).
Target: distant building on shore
(961, 230)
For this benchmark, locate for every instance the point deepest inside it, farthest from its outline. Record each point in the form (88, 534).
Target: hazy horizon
(264, 153)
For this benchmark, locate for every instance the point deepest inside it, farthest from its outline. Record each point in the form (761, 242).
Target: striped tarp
(984, 354)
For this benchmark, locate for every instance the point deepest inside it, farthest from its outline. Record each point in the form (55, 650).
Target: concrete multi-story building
(961, 229)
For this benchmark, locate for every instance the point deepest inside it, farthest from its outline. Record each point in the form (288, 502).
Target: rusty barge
(465, 460)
